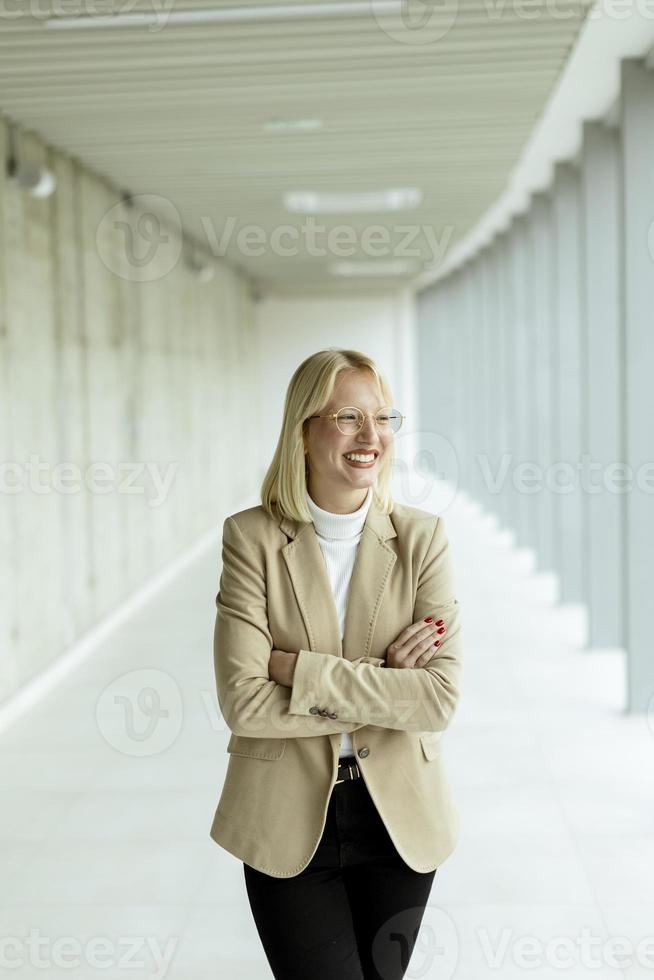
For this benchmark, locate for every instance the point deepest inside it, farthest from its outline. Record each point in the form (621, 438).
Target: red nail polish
(437, 643)
(428, 619)
(440, 622)
(441, 630)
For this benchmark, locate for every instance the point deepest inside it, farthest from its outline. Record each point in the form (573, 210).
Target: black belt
(347, 769)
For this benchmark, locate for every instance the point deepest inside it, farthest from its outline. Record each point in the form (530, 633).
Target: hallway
(201, 202)
(106, 834)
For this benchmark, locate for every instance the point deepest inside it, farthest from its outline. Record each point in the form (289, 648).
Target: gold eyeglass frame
(333, 416)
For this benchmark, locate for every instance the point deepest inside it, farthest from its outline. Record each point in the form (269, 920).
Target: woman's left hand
(281, 667)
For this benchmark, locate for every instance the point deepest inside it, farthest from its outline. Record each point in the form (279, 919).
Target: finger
(411, 631)
(424, 659)
(413, 651)
(400, 653)
(430, 653)
(426, 648)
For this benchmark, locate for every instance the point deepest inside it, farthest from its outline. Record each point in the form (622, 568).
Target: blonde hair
(283, 491)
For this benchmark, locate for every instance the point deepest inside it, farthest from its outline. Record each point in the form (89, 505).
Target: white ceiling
(587, 89)
(177, 110)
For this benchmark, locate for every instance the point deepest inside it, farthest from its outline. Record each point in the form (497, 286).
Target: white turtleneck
(338, 537)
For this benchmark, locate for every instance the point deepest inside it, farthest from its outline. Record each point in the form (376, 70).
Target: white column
(469, 325)
(506, 432)
(479, 383)
(604, 524)
(486, 355)
(545, 382)
(637, 112)
(458, 371)
(568, 413)
(524, 361)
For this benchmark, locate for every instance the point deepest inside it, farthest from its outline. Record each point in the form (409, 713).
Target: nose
(369, 428)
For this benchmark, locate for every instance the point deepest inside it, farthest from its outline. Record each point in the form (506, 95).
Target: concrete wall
(100, 368)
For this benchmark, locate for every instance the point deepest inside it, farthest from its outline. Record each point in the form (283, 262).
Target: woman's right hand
(416, 645)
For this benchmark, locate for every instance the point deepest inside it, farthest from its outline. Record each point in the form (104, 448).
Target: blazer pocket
(256, 748)
(431, 744)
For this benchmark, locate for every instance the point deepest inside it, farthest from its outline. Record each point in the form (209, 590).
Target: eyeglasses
(350, 419)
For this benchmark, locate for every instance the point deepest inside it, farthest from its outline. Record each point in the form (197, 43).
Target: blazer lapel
(306, 567)
(308, 573)
(372, 568)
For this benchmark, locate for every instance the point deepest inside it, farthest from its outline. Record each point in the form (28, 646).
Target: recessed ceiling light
(223, 14)
(394, 199)
(392, 267)
(291, 125)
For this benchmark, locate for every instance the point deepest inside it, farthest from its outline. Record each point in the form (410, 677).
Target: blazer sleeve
(407, 699)
(252, 704)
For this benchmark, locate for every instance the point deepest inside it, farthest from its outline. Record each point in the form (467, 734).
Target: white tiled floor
(104, 837)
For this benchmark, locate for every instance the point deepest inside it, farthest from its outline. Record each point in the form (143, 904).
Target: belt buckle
(349, 769)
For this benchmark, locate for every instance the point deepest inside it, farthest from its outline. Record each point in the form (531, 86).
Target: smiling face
(334, 483)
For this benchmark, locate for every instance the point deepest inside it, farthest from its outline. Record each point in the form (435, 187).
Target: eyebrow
(383, 405)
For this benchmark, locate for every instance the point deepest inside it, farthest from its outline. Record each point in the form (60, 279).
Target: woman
(335, 797)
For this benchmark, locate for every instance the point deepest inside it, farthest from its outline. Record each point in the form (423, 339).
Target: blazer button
(332, 714)
(324, 712)
(364, 752)
(314, 710)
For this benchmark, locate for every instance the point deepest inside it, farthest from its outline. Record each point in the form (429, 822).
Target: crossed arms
(253, 705)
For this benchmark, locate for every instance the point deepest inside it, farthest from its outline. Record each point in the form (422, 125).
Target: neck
(345, 502)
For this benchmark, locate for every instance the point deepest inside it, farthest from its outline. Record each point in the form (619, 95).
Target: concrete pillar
(468, 375)
(457, 361)
(603, 511)
(479, 383)
(568, 413)
(637, 116)
(487, 354)
(545, 388)
(506, 436)
(523, 351)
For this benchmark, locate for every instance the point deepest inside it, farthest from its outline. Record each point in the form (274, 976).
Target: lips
(358, 464)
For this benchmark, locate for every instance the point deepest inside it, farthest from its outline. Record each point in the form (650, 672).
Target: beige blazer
(274, 592)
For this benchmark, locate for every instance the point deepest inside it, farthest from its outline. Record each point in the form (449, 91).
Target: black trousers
(354, 912)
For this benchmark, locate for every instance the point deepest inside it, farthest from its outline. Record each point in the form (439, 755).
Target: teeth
(359, 458)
